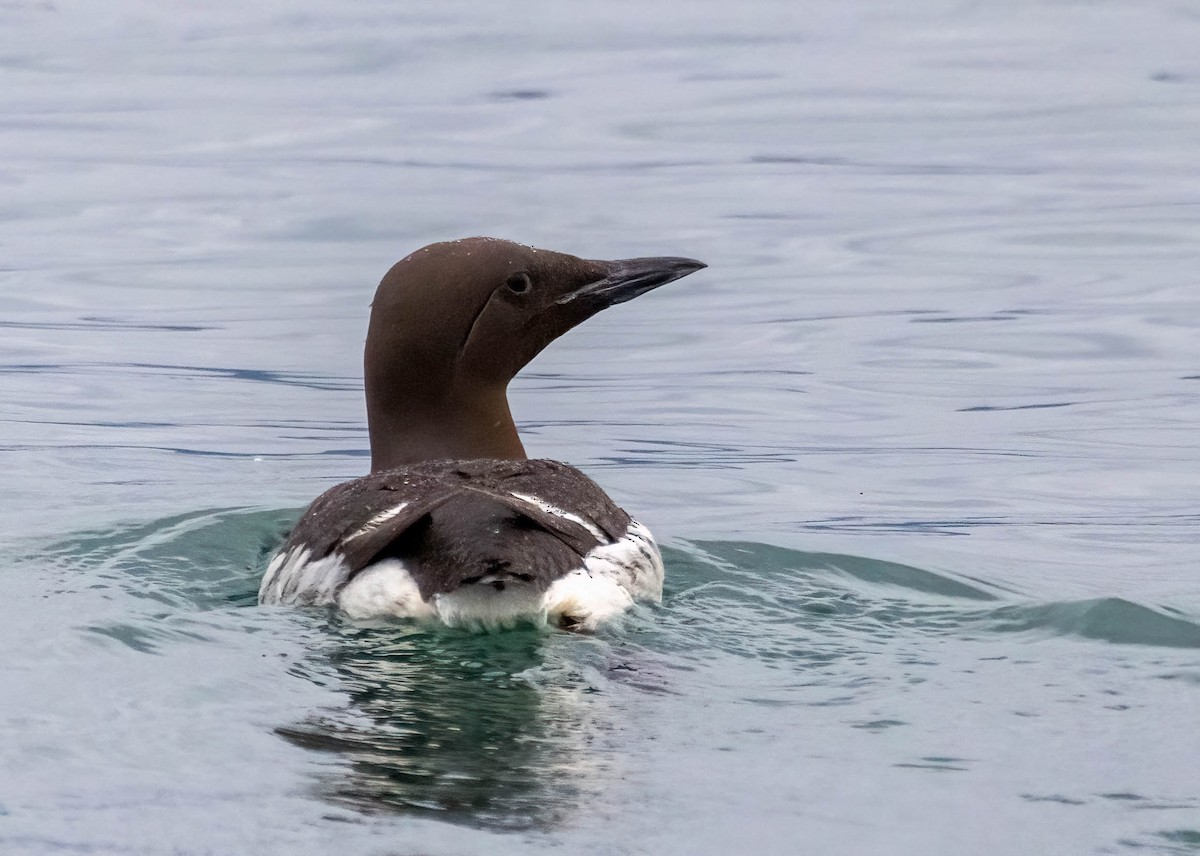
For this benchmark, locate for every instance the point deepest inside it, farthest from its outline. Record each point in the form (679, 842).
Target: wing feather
(460, 522)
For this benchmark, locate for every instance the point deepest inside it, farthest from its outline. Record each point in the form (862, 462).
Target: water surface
(920, 442)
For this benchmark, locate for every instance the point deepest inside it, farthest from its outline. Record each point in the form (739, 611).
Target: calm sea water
(921, 442)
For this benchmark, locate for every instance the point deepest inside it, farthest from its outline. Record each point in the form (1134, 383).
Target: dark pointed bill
(630, 278)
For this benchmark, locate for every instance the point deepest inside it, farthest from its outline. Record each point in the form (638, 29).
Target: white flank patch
(558, 512)
(583, 601)
(633, 561)
(384, 590)
(292, 580)
(613, 576)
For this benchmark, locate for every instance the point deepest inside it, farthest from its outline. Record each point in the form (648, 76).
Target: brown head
(454, 322)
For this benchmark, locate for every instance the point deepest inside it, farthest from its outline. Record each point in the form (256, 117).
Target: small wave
(199, 560)
(1106, 619)
(848, 597)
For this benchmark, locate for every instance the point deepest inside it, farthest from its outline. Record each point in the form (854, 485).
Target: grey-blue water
(921, 443)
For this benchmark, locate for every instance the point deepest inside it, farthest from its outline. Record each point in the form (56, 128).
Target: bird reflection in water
(494, 730)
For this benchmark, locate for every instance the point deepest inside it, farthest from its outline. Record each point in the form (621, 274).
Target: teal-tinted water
(920, 443)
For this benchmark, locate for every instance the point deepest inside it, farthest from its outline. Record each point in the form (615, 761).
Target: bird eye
(518, 283)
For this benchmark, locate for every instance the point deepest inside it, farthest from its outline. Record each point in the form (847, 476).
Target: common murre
(454, 522)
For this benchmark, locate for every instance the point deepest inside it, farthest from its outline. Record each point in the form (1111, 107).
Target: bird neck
(460, 425)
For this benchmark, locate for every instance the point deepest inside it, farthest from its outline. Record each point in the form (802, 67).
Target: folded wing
(457, 523)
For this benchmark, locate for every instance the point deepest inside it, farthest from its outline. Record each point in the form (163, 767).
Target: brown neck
(455, 427)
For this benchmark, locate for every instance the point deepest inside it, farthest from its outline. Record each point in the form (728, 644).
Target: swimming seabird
(454, 522)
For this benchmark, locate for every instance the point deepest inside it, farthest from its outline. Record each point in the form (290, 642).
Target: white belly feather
(613, 576)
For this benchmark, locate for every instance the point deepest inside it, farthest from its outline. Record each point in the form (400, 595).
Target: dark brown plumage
(462, 522)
